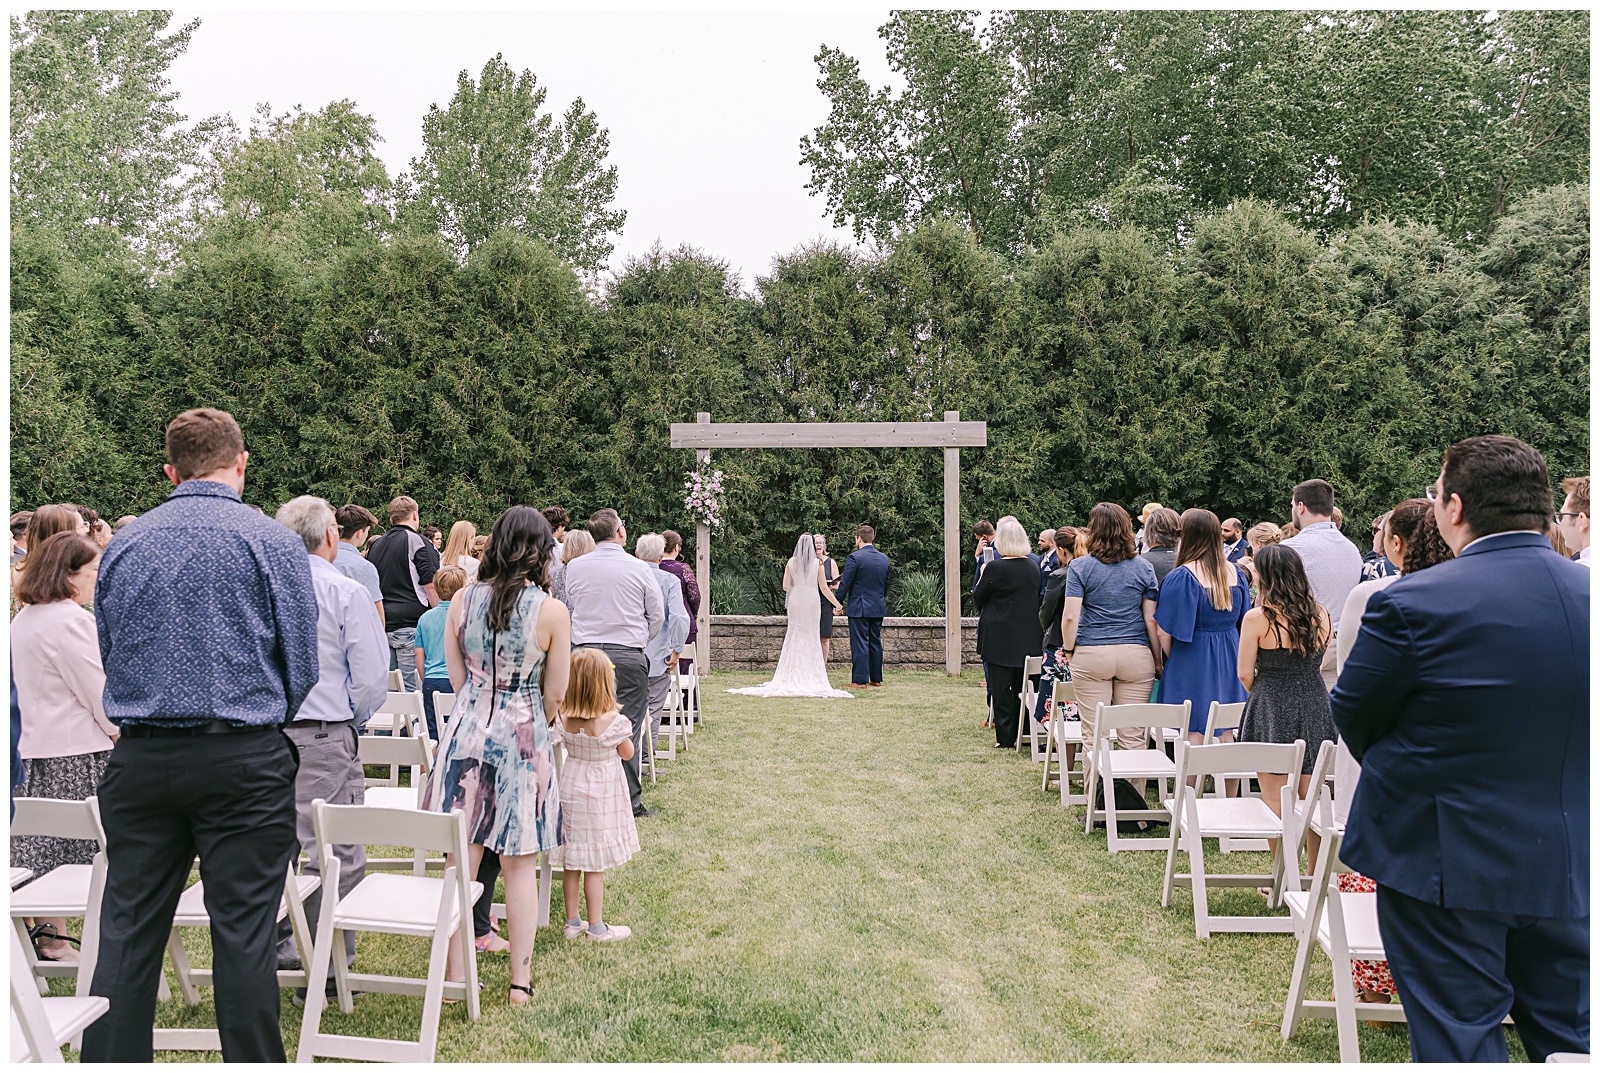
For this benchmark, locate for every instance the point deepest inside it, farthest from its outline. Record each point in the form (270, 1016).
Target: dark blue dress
(1204, 664)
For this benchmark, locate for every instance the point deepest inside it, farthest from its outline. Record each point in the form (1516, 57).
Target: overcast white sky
(705, 109)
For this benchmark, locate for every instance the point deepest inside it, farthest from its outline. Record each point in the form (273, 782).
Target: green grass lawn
(869, 880)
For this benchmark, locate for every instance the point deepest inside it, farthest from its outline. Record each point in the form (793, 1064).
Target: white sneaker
(614, 933)
(572, 931)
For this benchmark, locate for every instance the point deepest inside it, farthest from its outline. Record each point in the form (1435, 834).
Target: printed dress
(596, 816)
(498, 763)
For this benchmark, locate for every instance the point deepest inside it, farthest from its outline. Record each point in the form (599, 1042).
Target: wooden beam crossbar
(832, 434)
(951, 434)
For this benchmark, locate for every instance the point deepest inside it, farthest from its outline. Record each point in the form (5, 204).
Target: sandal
(525, 989)
(48, 931)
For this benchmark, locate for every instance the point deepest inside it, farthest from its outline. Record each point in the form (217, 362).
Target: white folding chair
(1105, 765)
(1032, 667)
(19, 876)
(1064, 736)
(676, 722)
(40, 1027)
(1196, 818)
(689, 689)
(415, 752)
(1220, 719)
(396, 682)
(1345, 927)
(1566, 1056)
(70, 890)
(435, 909)
(397, 714)
(192, 913)
(444, 709)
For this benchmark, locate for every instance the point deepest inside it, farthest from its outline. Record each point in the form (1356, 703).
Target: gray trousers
(329, 769)
(633, 697)
(658, 702)
(403, 655)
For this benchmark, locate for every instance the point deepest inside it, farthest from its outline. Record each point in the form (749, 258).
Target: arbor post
(702, 570)
(952, 555)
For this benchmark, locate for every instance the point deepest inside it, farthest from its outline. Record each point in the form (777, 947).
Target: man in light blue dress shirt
(353, 656)
(664, 648)
(355, 522)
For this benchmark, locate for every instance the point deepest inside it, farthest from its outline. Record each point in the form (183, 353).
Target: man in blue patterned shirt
(208, 633)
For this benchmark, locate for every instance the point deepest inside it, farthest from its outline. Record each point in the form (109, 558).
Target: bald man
(1046, 558)
(1234, 546)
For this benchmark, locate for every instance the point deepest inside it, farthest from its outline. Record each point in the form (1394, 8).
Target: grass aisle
(869, 880)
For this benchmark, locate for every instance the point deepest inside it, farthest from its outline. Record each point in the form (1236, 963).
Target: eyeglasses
(1568, 514)
(1432, 492)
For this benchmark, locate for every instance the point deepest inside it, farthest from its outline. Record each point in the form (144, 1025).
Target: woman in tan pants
(1108, 626)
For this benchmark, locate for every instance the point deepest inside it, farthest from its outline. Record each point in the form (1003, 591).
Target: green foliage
(1030, 121)
(491, 161)
(97, 157)
(731, 592)
(917, 594)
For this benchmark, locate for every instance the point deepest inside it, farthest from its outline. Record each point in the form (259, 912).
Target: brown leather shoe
(875, 685)
(855, 685)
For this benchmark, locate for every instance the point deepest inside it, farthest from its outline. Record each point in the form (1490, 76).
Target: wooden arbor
(951, 434)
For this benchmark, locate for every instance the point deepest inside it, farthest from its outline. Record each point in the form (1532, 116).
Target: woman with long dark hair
(1203, 599)
(507, 645)
(1108, 622)
(1281, 644)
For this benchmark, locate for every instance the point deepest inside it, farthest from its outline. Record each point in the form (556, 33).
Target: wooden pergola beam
(951, 434)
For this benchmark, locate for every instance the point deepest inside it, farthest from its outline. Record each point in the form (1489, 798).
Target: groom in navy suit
(863, 587)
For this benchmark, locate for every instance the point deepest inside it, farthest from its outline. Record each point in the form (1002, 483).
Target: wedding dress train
(801, 670)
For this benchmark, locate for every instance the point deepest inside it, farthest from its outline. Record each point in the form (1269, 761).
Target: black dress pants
(229, 798)
(488, 872)
(1005, 687)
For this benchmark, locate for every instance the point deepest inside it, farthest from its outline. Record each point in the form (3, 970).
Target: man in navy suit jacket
(863, 589)
(1466, 699)
(1234, 545)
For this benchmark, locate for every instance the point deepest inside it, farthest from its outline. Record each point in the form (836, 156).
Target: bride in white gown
(801, 670)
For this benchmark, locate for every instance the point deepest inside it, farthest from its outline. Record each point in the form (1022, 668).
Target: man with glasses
(1573, 517)
(1375, 563)
(1466, 700)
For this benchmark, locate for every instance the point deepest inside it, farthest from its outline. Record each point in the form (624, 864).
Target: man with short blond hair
(406, 562)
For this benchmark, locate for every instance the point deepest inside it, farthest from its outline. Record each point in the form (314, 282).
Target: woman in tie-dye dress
(507, 644)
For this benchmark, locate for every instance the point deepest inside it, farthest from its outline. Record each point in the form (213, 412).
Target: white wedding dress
(801, 670)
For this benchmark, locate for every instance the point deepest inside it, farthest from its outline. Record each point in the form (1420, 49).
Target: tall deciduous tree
(98, 153)
(312, 179)
(494, 160)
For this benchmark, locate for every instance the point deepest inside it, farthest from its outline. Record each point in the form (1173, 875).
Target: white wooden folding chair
(415, 752)
(1105, 765)
(444, 709)
(1064, 736)
(19, 876)
(1027, 727)
(192, 913)
(396, 682)
(40, 1027)
(398, 713)
(676, 722)
(688, 686)
(1223, 719)
(1196, 818)
(69, 890)
(435, 909)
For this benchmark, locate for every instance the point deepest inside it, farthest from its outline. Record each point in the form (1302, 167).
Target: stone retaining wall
(752, 643)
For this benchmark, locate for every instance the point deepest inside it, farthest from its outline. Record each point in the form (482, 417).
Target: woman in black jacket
(1007, 598)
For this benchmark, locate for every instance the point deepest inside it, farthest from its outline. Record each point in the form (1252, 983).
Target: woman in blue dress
(1203, 598)
(507, 647)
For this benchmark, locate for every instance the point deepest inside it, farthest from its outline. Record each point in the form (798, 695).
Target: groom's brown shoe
(855, 685)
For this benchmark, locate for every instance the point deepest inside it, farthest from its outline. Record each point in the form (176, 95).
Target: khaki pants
(1112, 674)
(1330, 666)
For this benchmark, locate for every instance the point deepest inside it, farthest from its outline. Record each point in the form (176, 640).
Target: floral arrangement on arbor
(703, 496)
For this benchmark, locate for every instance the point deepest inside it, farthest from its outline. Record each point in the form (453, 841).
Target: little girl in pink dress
(596, 816)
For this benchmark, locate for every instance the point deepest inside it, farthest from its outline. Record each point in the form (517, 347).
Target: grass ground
(869, 880)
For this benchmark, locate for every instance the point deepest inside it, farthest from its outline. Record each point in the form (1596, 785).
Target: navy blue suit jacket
(864, 584)
(1466, 699)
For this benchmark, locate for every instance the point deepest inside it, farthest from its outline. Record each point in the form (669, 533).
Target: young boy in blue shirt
(431, 669)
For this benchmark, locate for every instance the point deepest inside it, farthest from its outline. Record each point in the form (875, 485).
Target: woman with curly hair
(1281, 644)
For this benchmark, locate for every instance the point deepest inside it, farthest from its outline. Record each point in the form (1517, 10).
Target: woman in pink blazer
(66, 738)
